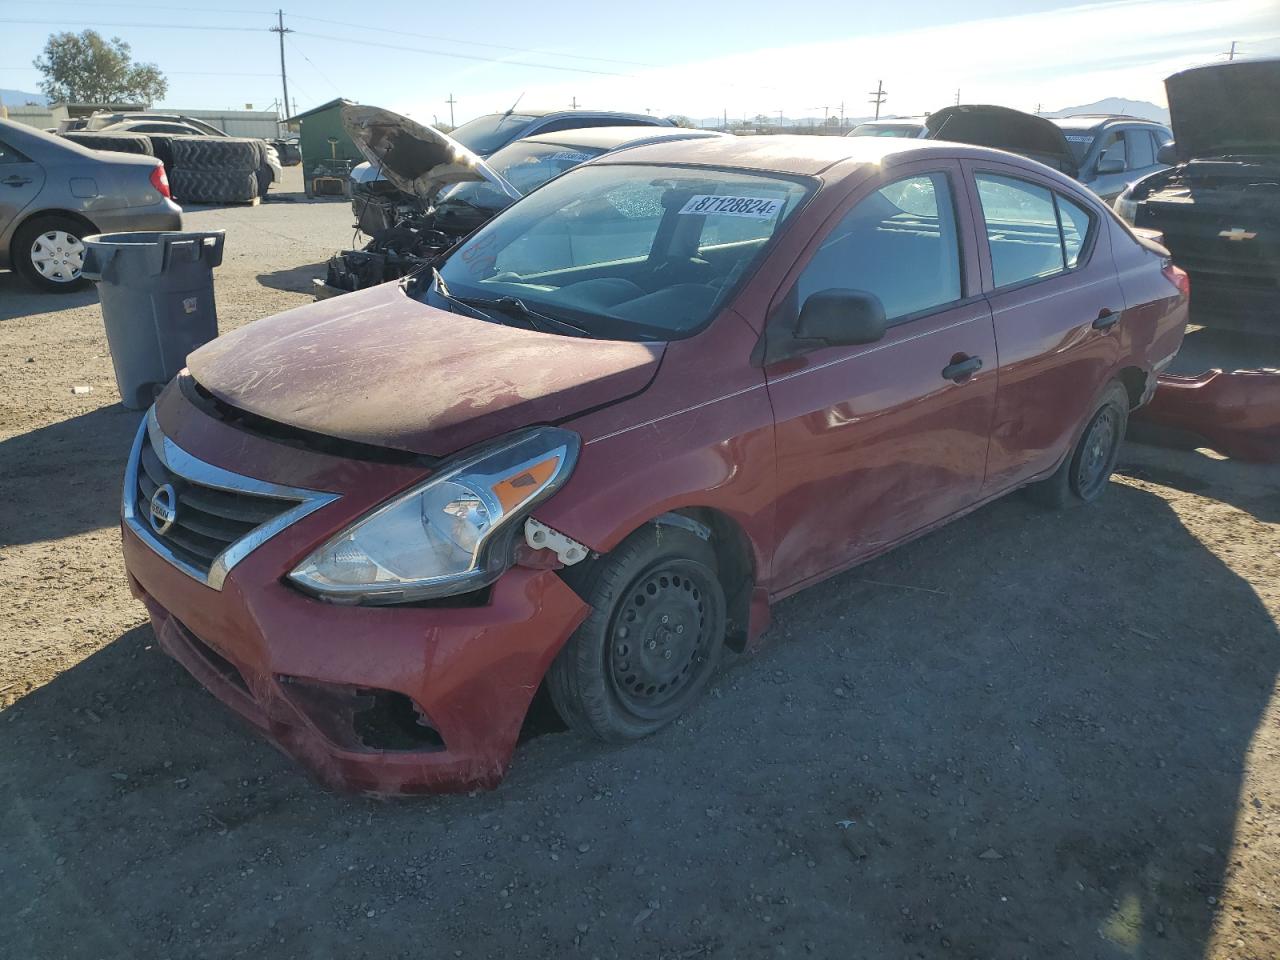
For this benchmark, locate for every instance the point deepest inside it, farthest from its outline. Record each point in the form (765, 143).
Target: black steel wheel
(1086, 471)
(652, 640)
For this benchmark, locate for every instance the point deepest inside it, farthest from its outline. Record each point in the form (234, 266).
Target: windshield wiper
(514, 306)
(510, 306)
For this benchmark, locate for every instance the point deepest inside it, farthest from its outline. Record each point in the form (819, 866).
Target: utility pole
(451, 102)
(573, 103)
(879, 96)
(957, 96)
(281, 29)
(1231, 54)
(841, 114)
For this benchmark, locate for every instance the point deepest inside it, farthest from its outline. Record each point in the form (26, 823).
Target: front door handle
(962, 369)
(16, 181)
(1107, 318)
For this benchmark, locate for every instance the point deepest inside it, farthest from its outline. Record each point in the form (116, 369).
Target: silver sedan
(53, 193)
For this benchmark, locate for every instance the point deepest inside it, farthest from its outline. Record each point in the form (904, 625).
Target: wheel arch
(56, 212)
(1136, 382)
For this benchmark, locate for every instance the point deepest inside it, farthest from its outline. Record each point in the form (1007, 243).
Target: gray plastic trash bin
(157, 303)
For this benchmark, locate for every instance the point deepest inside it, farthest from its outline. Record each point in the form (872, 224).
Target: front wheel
(1085, 473)
(652, 640)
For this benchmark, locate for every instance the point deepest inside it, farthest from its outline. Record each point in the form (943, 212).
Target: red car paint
(817, 462)
(1237, 413)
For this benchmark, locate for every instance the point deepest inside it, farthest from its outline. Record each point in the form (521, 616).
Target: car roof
(891, 122)
(541, 114)
(794, 154)
(611, 138)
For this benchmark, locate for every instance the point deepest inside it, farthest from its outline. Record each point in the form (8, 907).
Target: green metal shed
(315, 128)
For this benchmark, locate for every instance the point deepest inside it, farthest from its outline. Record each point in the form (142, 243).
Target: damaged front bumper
(383, 700)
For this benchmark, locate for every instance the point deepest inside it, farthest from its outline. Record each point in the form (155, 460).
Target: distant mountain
(16, 98)
(1132, 108)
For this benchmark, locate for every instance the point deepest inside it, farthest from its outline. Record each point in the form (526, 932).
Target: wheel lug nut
(665, 618)
(653, 644)
(680, 628)
(667, 655)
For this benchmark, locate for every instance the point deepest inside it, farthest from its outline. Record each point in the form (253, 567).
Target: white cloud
(1055, 58)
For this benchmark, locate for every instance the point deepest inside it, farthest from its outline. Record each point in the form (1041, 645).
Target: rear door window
(1022, 229)
(9, 155)
(900, 243)
(1032, 232)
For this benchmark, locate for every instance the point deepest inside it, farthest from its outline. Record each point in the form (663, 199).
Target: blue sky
(668, 56)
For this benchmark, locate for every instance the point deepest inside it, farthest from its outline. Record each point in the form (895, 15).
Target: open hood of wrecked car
(1226, 109)
(418, 159)
(381, 368)
(1004, 129)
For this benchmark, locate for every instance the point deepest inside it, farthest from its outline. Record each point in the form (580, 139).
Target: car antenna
(512, 108)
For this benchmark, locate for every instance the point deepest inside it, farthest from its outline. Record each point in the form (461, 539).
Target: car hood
(1226, 109)
(1004, 129)
(378, 367)
(418, 159)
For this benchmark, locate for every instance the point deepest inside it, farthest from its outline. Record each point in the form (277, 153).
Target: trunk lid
(1004, 129)
(1226, 109)
(418, 159)
(381, 368)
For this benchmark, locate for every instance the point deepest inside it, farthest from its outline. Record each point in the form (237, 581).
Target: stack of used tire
(119, 142)
(217, 169)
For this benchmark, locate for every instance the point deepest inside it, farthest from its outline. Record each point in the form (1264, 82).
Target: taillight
(1178, 277)
(160, 180)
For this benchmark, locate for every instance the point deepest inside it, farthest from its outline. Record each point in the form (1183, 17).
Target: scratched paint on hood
(379, 367)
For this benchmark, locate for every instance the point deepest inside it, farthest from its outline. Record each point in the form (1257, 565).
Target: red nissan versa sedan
(611, 427)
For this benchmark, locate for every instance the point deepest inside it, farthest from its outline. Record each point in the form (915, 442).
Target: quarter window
(1032, 231)
(1113, 149)
(900, 243)
(10, 155)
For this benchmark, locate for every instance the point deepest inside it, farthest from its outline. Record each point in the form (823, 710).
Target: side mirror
(1167, 154)
(837, 317)
(1109, 165)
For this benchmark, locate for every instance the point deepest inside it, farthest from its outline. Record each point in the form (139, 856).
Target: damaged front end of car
(396, 203)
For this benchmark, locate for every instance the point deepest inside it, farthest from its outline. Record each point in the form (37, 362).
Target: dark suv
(1218, 208)
(1113, 151)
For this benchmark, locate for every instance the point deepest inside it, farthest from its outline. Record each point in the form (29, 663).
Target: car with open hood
(372, 194)
(594, 442)
(1218, 207)
(449, 191)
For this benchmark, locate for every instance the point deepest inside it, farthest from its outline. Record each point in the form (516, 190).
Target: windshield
(484, 135)
(1079, 142)
(624, 252)
(526, 166)
(881, 130)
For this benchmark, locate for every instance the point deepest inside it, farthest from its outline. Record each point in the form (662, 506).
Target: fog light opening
(392, 721)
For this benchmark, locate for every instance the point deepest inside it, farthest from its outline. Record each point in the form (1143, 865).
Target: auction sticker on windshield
(758, 208)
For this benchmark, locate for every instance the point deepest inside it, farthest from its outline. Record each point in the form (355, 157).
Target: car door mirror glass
(1167, 154)
(841, 318)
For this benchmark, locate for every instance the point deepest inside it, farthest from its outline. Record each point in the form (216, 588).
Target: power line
(141, 26)
(471, 43)
(462, 56)
(324, 76)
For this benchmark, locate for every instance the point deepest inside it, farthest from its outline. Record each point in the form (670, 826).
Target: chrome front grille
(201, 518)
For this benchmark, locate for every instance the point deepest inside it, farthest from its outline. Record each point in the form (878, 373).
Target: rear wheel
(1085, 473)
(48, 253)
(652, 640)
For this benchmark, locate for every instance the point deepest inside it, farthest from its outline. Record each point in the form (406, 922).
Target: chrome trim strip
(193, 468)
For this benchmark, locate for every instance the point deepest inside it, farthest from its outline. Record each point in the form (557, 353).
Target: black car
(1218, 207)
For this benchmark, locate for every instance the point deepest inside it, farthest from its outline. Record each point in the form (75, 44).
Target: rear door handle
(1107, 318)
(16, 181)
(962, 369)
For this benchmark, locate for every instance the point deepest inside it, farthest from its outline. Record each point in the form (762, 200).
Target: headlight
(449, 535)
(1125, 206)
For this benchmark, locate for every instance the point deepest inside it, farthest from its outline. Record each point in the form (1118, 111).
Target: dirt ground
(1026, 735)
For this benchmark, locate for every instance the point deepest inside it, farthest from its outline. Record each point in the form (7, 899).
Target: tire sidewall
(588, 653)
(1115, 399)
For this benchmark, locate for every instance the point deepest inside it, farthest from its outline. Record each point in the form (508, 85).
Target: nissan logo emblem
(163, 510)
